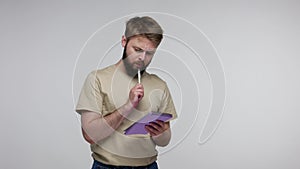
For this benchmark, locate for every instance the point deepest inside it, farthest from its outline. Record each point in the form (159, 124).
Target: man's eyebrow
(151, 50)
(137, 47)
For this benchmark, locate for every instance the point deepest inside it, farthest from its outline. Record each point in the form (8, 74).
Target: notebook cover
(139, 126)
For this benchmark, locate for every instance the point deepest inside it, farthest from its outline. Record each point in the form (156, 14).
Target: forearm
(97, 127)
(115, 119)
(162, 139)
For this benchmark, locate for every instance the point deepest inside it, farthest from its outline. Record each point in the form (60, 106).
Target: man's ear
(123, 41)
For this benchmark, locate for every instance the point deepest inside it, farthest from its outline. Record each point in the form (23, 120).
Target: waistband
(97, 163)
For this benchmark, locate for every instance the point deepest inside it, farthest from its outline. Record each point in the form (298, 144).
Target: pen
(139, 76)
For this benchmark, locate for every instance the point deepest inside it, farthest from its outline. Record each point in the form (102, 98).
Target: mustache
(140, 63)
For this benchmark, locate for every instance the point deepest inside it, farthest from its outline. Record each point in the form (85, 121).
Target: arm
(86, 136)
(160, 131)
(97, 127)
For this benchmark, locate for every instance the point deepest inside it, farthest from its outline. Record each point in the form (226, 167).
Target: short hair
(144, 26)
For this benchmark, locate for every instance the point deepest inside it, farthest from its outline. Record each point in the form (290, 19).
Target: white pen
(139, 76)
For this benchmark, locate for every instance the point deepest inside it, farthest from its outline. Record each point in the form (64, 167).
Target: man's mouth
(139, 65)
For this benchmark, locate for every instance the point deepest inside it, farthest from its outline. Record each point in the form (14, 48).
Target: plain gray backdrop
(258, 46)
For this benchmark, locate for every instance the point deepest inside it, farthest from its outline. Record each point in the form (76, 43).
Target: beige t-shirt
(106, 90)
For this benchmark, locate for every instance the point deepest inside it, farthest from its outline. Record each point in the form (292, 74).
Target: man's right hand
(136, 94)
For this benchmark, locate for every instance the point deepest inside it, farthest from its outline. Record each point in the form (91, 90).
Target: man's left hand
(157, 127)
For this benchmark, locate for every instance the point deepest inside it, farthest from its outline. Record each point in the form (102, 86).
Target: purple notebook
(139, 126)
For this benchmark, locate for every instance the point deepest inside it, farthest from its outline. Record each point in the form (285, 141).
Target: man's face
(139, 52)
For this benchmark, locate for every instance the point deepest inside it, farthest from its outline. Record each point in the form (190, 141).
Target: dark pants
(99, 165)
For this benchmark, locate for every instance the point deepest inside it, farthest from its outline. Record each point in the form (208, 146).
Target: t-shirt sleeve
(167, 105)
(90, 98)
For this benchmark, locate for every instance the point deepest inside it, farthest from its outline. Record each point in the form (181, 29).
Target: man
(112, 99)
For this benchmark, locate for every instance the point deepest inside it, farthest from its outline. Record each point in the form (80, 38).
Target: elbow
(87, 137)
(163, 144)
(94, 128)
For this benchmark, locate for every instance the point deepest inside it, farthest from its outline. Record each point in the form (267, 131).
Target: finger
(139, 90)
(151, 131)
(139, 86)
(156, 126)
(160, 123)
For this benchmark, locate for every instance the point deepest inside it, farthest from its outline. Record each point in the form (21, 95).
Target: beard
(130, 70)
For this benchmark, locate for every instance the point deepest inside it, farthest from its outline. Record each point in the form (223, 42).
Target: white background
(258, 44)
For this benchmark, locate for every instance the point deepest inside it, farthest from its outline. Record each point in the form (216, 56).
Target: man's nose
(142, 56)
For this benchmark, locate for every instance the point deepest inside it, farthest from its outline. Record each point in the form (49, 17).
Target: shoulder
(97, 76)
(155, 79)
(104, 72)
(107, 70)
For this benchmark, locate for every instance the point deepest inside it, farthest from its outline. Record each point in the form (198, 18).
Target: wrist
(126, 109)
(162, 139)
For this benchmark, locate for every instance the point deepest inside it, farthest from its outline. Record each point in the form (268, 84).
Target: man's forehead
(143, 43)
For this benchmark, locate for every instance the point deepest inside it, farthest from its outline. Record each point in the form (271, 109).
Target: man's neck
(121, 67)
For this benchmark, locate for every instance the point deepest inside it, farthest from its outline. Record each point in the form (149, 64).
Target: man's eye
(149, 53)
(138, 50)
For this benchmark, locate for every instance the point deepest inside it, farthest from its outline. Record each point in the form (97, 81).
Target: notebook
(139, 126)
